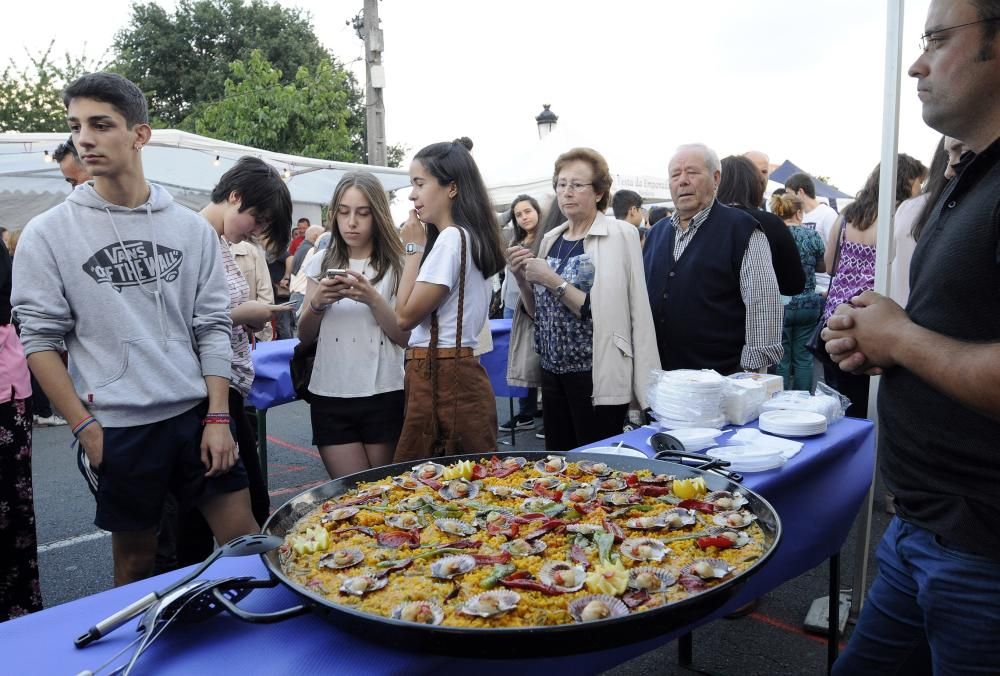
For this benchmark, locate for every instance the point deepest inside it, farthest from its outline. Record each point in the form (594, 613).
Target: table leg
(833, 616)
(685, 650)
(262, 442)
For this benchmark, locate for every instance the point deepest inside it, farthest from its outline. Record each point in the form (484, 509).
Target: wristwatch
(560, 290)
(412, 248)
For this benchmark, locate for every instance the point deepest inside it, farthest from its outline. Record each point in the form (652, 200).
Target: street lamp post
(546, 121)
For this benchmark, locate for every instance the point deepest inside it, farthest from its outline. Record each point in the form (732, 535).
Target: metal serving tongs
(670, 449)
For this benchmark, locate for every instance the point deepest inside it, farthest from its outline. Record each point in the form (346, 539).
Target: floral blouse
(563, 342)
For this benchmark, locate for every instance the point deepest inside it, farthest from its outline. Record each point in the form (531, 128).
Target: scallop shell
(719, 569)
(377, 489)
(428, 470)
(412, 503)
(339, 514)
(552, 464)
(657, 550)
(678, 517)
(453, 490)
(408, 482)
(740, 538)
(359, 585)
(740, 519)
(536, 504)
(341, 558)
(502, 491)
(611, 484)
(522, 547)
(518, 460)
(491, 603)
(579, 493)
(660, 479)
(552, 571)
(582, 610)
(594, 468)
(726, 500)
(618, 498)
(584, 528)
(419, 612)
(452, 566)
(455, 526)
(663, 577)
(405, 520)
(547, 482)
(645, 523)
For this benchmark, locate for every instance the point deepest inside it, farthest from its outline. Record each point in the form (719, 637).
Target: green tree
(31, 97)
(309, 116)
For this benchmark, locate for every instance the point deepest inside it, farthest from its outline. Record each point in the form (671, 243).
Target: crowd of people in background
(725, 280)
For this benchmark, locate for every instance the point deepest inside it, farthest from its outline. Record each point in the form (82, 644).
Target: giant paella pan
(548, 553)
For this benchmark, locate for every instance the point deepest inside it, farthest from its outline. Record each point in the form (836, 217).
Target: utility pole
(375, 83)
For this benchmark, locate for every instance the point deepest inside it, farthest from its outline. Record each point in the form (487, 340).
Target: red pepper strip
(586, 507)
(653, 491)
(577, 554)
(699, 505)
(402, 565)
(539, 489)
(361, 529)
(501, 527)
(549, 525)
(484, 559)
(436, 485)
(636, 598)
(398, 538)
(632, 479)
(462, 544)
(478, 472)
(348, 503)
(528, 518)
(515, 582)
(691, 582)
(614, 529)
(716, 541)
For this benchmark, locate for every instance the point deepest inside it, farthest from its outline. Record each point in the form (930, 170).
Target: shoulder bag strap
(840, 243)
(458, 324)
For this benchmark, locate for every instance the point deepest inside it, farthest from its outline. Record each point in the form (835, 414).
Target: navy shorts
(377, 419)
(142, 464)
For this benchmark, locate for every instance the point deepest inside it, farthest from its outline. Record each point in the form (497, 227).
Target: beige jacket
(250, 260)
(624, 338)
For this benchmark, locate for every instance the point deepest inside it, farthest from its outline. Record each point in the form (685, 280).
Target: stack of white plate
(694, 438)
(688, 398)
(746, 458)
(792, 423)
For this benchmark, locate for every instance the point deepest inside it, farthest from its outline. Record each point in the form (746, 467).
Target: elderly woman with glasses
(586, 293)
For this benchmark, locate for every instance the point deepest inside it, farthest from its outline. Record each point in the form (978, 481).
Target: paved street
(75, 557)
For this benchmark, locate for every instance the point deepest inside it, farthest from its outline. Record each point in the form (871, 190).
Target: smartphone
(335, 272)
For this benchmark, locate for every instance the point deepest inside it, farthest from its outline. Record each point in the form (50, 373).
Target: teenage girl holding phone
(453, 247)
(357, 378)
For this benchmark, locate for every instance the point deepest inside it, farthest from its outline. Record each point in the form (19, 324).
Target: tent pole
(886, 211)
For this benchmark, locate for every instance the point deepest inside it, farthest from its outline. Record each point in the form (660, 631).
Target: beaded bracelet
(216, 419)
(80, 426)
(320, 311)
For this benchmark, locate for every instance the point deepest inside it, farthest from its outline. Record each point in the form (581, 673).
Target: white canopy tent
(186, 164)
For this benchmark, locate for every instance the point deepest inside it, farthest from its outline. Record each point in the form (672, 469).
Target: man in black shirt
(936, 598)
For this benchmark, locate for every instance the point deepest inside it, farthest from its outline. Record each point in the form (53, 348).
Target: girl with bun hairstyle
(452, 245)
(802, 310)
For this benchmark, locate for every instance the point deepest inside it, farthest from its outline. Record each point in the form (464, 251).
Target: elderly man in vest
(711, 284)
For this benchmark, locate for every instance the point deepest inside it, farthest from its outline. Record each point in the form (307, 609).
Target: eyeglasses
(929, 41)
(563, 186)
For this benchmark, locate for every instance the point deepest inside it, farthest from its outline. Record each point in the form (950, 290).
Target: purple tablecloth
(272, 384)
(817, 495)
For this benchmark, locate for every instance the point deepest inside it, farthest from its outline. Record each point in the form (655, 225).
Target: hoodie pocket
(152, 371)
(623, 344)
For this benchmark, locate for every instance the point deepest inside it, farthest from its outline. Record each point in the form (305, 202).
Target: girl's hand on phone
(359, 288)
(329, 290)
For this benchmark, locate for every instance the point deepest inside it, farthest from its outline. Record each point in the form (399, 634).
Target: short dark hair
(988, 12)
(623, 201)
(123, 95)
(65, 148)
(801, 181)
(740, 183)
(657, 214)
(602, 175)
(303, 220)
(262, 189)
(451, 162)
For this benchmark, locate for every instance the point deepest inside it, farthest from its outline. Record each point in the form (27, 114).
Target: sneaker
(518, 422)
(51, 421)
(540, 433)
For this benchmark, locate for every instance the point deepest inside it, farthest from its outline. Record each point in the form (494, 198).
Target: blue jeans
(930, 606)
(525, 405)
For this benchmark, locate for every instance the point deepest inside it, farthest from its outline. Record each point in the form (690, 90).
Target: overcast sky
(632, 78)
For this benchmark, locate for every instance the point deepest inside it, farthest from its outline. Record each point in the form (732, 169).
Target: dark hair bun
(465, 141)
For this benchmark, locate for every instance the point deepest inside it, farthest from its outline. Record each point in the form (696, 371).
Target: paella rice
(511, 543)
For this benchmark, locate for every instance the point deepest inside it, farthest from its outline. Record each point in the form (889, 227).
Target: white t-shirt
(442, 267)
(354, 357)
(821, 219)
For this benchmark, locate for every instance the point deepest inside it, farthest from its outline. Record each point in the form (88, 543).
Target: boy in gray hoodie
(133, 283)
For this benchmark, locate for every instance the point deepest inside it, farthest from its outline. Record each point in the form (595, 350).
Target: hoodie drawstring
(161, 308)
